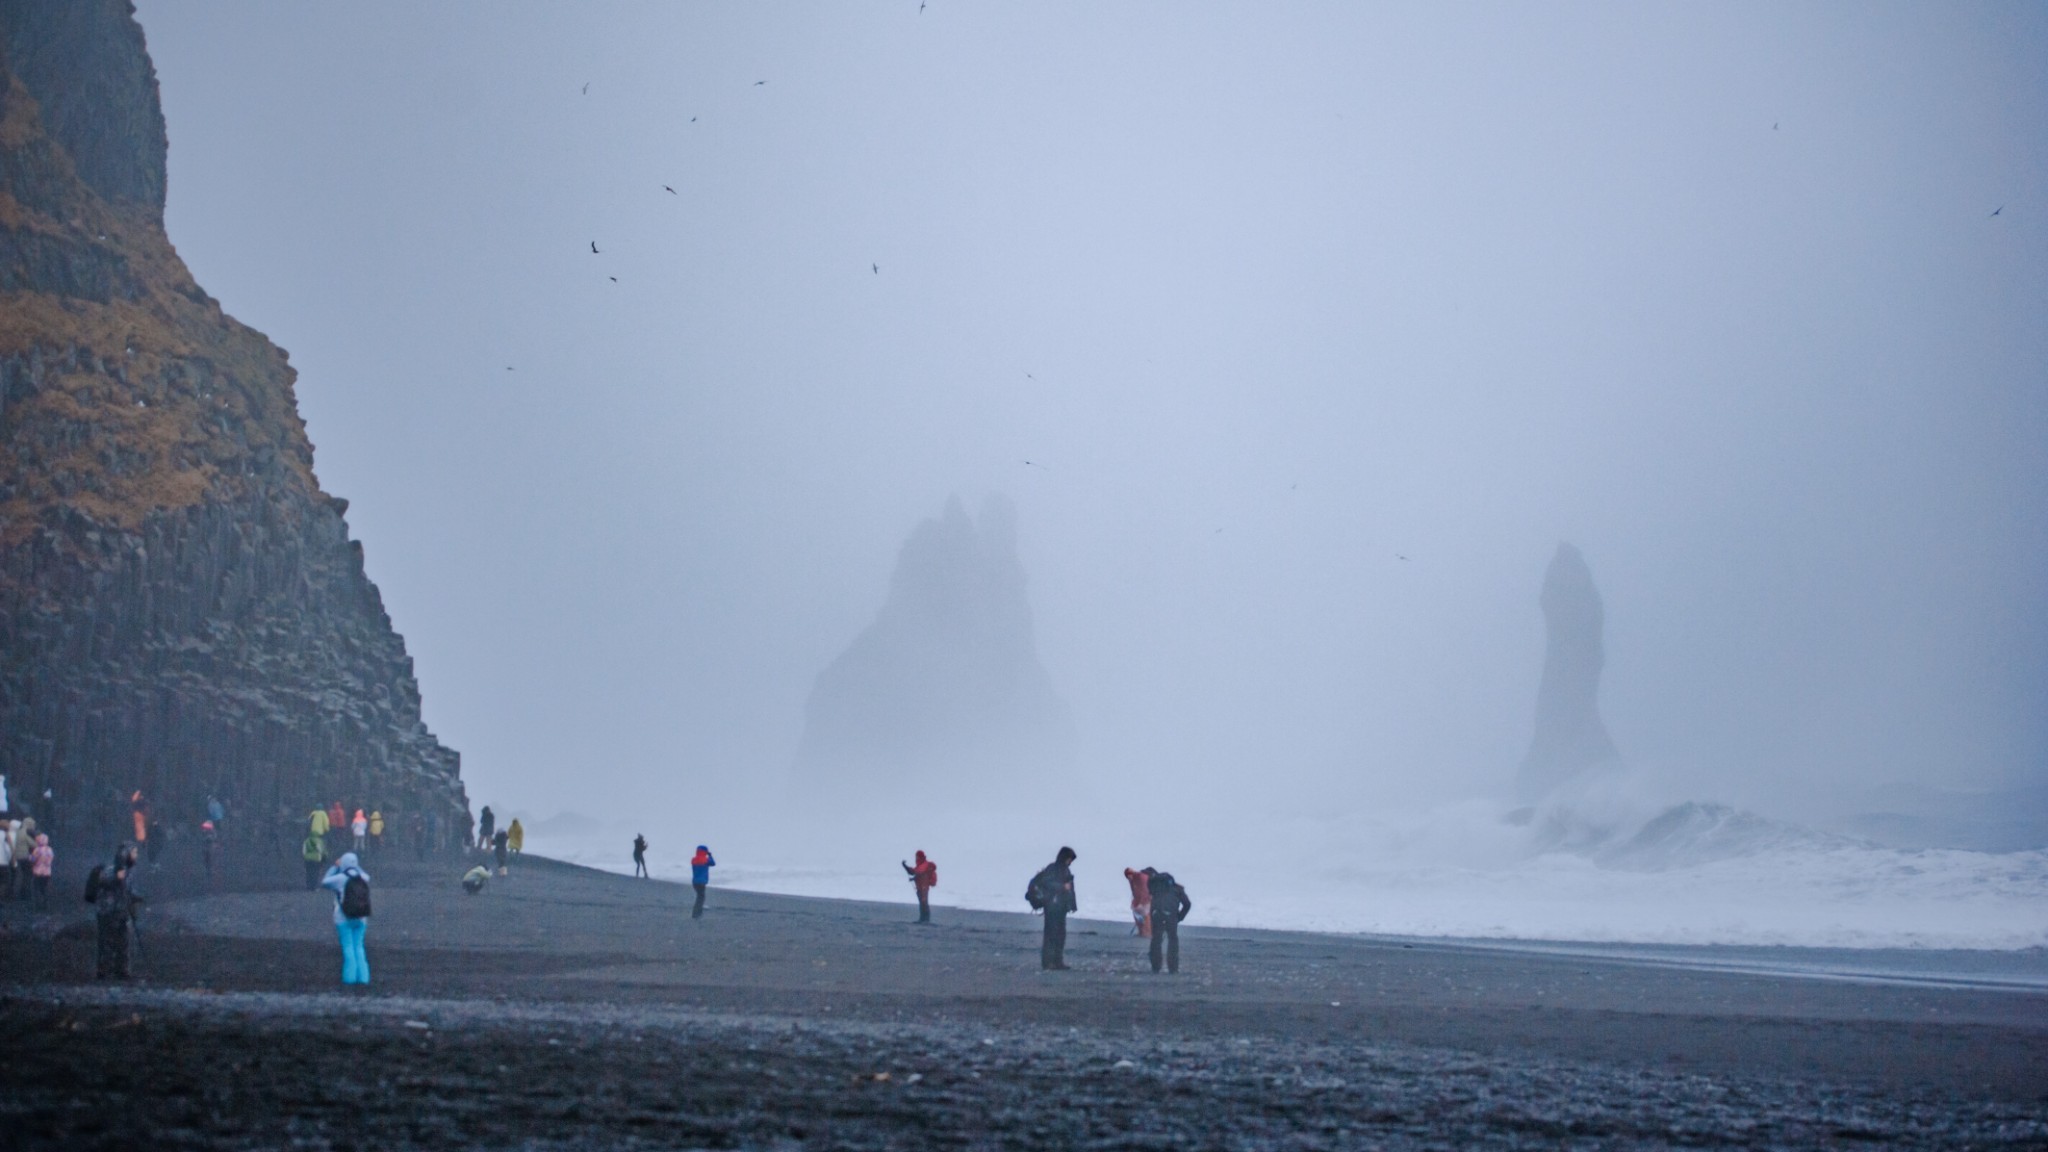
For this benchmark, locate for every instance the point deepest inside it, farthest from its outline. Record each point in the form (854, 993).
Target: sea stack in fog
(944, 691)
(1570, 739)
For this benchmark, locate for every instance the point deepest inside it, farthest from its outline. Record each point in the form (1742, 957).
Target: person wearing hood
(1170, 906)
(1052, 892)
(377, 831)
(1141, 899)
(486, 824)
(359, 827)
(351, 888)
(39, 862)
(515, 836)
(317, 823)
(639, 855)
(700, 877)
(313, 852)
(337, 818)
(498, 846)
(924, 876)
(112, 894)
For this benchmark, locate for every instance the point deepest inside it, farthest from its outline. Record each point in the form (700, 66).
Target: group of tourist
(25, 859)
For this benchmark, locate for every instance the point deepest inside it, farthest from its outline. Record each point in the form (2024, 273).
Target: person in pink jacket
(39, 862)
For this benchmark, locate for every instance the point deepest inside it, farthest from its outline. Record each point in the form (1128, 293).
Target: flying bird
(1997, 210)
(586, 89)
(1037, 465)
(667, 189)
(693, 119)
(1774, 125)
(615, 279)
(1398, 556)
(508, 367)
(758, 83)
(920, 7)
(593, 248)
(877, 268)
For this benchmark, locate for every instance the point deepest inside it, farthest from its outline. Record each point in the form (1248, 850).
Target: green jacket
(314, 849)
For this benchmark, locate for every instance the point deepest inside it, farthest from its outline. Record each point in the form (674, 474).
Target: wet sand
(566, 1007)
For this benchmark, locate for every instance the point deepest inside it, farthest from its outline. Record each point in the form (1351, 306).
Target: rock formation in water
(181, 608)
(1569, 740)
(944, 691)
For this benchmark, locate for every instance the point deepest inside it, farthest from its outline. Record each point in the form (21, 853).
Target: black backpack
(92, 883)
(355, 898)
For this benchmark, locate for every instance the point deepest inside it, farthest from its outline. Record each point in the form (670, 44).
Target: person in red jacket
(1141, 899)
(923, 876)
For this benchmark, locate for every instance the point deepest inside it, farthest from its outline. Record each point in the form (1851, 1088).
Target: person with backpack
(314, 853)
(639, 855)
(924, 876)
(700, 878)
(351, 888)
(112, 894)
(1170, 906)
(1052, 892)
(498, 843)
(39, 862)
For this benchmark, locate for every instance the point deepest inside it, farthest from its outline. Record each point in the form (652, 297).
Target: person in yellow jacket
(317, 823)
(376, 830)
(515, 837)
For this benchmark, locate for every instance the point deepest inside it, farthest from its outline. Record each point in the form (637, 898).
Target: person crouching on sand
(700, 877)
(924, 876)
(1141, 900)
(351, 888)
(473, 881)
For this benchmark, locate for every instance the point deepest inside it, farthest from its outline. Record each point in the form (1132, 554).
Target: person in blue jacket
(700, 875)
(351, 916)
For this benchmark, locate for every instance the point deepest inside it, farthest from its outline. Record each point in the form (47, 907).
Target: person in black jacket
(1170, 906)
(114, 903)
(1052, 892)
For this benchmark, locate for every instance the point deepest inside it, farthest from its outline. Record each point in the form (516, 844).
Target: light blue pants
(355, 963)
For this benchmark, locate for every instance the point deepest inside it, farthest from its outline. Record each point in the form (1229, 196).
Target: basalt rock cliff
(943, 695)
(1570, 740)
(182, 611)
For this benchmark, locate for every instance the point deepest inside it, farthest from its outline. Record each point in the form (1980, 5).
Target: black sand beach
(571, 1008)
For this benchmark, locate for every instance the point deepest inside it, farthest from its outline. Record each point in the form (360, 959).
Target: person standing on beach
(316, 824)
(351, 888)
(138, 811)
(112, 894)
(498, 848)
(1052, 892)
(337, 818)
(7, 838)
(924, 876)
(700, 877)
(377, 830)
(314, 853)
(486, 824)
(39, 862)
(1141, 899)
(515, 837)
(209, 841)
(639, 855)
(360, 829)
(1170, 906)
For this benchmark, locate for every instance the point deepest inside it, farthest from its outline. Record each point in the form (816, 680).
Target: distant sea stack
(182, 611)
(1569, 738)
(944, 692)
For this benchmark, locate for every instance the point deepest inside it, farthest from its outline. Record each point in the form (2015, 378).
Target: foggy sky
(1275, 294)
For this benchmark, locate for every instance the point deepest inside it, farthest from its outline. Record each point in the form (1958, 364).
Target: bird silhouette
(920, 7)
(877, 268)
(1997, 210)
(693, 119)
(593, 248)
(667, 189)
(1037, 465)
(586, 89)
(508, 367)
(615, 279)
(1774, 125)
(758, 83)
(1398, 556)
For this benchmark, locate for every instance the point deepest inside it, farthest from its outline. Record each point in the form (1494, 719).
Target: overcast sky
(1276, 294)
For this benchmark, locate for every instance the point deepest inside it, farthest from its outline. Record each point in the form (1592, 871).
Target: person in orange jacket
(700, 877)
(1141, 899)
(924, 875)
